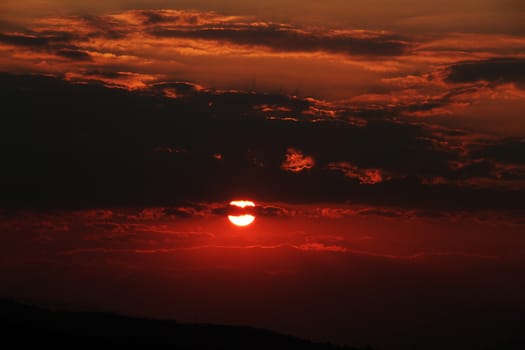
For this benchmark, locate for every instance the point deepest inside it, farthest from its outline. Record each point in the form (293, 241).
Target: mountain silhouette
(24, 325)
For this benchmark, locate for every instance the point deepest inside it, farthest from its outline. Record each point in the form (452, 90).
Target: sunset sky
(382, 142)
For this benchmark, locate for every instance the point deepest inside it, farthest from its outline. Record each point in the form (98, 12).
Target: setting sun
(243, 219)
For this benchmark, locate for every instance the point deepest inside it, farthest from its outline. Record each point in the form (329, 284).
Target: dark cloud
(75, 55)
(389, 213)
(510, 151)
(268, 210)
(471, 169)
(176, 89)
(292, 40)
(210, 26)
(103, 74)
(87, 145)
(191, 210)
(498, 70)
(179, 86)
(57, 43)
(24, 40)
(104, 26)
(152, 17)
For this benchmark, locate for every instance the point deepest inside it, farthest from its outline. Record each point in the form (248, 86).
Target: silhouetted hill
(28, 325)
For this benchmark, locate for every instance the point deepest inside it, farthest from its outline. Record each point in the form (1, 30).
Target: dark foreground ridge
(26, 325)
(23, 324)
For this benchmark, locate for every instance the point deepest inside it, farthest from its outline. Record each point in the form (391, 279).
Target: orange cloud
(296, 161)
(365, 176)
(391, 74)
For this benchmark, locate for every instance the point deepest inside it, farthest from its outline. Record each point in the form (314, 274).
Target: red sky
(383, 142)
(349, 275)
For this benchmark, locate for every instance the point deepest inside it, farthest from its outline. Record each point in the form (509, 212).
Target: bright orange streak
(242, 204)
(241, 220)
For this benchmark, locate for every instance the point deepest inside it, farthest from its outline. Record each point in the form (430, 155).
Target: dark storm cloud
(498, 70)
(291, 40)
(86, 145)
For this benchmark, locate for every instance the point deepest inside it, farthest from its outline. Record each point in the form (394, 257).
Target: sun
(242, 220)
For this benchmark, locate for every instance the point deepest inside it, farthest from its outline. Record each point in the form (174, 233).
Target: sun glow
(242, 204)
(243, 219)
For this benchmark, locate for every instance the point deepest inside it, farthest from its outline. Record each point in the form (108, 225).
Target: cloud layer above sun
(175, 142)
(462, 79)
(297, 110)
